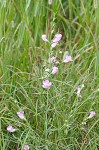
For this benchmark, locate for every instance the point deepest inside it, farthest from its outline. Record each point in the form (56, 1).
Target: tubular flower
(44, 38)
(68, 59)
(54, 70)
(92, 114)
(57, 38)
(46, 84)
(21, 115)
(10, 129)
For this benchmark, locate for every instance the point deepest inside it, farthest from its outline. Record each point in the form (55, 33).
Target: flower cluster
(54, 42)
(46, 83)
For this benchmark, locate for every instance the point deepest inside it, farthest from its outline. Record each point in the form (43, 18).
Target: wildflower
(57, 38)
(68, 59)
(78, 92)
(49, 2)
(54, 44)
(10, 129)
(44, 38)
(55, 70)
(46, 84)
(52, 59)
(26, 147)
(21, 115)
(92, 114)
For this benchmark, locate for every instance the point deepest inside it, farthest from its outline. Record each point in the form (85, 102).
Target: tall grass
(55, 118)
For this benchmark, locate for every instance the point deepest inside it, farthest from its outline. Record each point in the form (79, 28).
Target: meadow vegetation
(61, 114)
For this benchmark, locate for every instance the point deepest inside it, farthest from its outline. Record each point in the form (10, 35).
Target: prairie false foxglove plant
(54, 41)
(46, 83)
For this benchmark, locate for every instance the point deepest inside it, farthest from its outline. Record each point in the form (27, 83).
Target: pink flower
(55, 70)
(44, 38)
(78, 92)
(92, 113)
(54, 44)
(57, 38)
(26, 147)
(46, 84)
(52, 59)
(68, 59)
(10, 129)
(49, 2)
(21, 115)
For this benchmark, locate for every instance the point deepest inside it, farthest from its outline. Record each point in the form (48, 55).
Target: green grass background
(55, 118)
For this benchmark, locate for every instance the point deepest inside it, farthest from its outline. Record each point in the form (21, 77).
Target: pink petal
(55, 70)
(68, 59)
(21, 115)
(54, 44)
(10, 129)
(26, 147)
(92, 114)
(46, 84)
(44, 38)
(57, 38)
